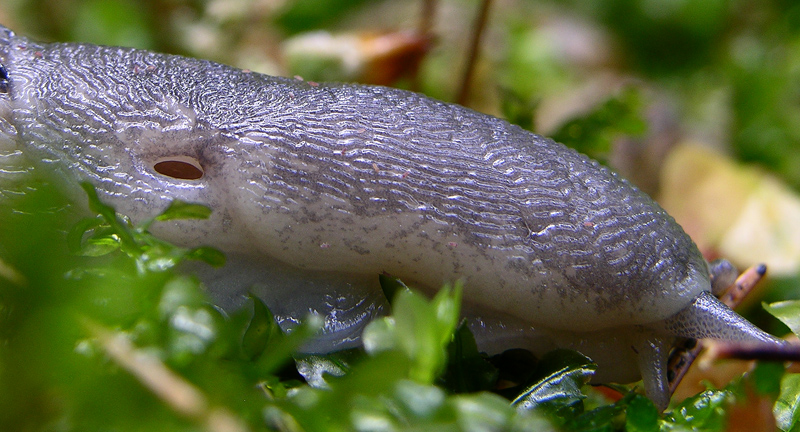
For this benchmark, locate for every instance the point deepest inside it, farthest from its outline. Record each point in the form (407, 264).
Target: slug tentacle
(707, 317)
(653, 352)
(723, 274)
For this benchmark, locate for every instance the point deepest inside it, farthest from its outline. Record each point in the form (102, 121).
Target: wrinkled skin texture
(317, 188)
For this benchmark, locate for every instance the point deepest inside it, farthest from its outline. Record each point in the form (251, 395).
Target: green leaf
(209, 255)
(634, 411)
(423, 329)
(94, 202)
(417, 335)
(159, 262)
(602, 418)
(178, 292)
(191, 333)
(447, 305)
(641, 415)
(96, 245)
(705, 411)
(467, 369)
(100, 246)
(418, 401)
(787, 408)
(420, 329)
(282, 346)
(767, 377)
(260, 331)
(178, 209)
(563, 373)
(391, 285)
(486, 412)
(788, 312)
(107, 232)
(120, 229)
(379, 335)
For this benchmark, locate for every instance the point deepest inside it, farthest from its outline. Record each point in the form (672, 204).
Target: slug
(316, 188)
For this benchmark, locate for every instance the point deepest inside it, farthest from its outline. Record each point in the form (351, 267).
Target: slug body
(318, 188)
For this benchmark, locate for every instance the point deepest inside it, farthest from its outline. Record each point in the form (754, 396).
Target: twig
(425, 30)
(426, 17)
(743, 285)
(753, 351)
(178, 394)
(480, 24)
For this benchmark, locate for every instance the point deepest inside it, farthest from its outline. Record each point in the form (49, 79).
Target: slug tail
(707, 317)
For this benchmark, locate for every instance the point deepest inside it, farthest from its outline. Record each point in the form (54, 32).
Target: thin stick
(178, 394)
(425, 29)
(681, 359)
(743, 285)
(480, 24)
(426, 17)
(754, 351)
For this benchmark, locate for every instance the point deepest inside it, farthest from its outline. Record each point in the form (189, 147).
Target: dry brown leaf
(731, 210)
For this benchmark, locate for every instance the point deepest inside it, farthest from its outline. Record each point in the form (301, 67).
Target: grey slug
(318, 188)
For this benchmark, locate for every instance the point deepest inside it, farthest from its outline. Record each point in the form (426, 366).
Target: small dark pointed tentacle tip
(3, 79)
(761, 269)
